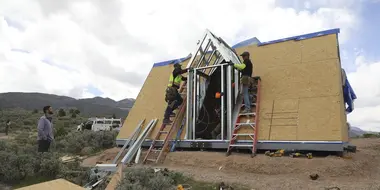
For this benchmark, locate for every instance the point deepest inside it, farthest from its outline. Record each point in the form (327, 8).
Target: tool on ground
(166, 131)
(297, 155)
(183, 187)
(278, 153)
(247, 123)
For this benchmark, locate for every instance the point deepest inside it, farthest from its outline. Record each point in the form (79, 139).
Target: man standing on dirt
(45, 130)
(7, 125)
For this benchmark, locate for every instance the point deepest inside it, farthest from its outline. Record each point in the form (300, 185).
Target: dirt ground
(105, 157)
(356, 171)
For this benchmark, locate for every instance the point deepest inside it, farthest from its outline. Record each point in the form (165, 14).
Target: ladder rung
(253, 113)
(242, 145)
(152, 160)
(244, 134)
(245, 124)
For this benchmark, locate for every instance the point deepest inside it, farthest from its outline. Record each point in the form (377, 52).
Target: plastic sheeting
(349, 97)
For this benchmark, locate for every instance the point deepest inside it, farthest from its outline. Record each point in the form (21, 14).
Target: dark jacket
(247, 71)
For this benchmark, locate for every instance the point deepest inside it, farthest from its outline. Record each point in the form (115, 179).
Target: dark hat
(246, 53)
(177, 65)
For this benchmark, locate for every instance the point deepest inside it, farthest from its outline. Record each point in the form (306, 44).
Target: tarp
(349, 97)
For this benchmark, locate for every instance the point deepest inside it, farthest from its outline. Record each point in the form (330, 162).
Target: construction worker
(172, 97)
(246, 76)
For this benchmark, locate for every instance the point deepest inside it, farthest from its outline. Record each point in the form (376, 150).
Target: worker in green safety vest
(172, 97)
(246, 69)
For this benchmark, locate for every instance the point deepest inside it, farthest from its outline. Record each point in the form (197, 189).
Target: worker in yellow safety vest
(172, 97)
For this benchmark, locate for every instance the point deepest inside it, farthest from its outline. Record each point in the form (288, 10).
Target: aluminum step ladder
(248, 120)
(154, 153)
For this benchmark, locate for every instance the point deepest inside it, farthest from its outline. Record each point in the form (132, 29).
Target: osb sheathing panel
(58, 184)
(320, 120)
(301, 80)
(301, 94)
(150, 103)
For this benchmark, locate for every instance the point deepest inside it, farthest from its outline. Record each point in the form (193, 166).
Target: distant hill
(356, 132)
(97, 106)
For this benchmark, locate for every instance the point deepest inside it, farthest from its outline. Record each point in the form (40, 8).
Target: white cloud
(112, 44)
(366, 84)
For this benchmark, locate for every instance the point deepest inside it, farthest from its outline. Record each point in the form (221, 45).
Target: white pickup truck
(100, 124)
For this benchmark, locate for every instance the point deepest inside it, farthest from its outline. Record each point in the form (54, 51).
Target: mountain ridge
(96, 106)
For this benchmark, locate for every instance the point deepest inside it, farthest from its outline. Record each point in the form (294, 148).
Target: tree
(61, 113)
(35, 111)
(71, 111)
(77, 112)
(73, 115)
(113, 116)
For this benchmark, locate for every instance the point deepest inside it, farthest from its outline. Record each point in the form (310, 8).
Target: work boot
(172, 114)
(167, 121)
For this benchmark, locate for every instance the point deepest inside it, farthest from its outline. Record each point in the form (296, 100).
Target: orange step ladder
(252, 125)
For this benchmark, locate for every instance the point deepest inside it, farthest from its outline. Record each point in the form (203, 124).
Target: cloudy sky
(86, 48)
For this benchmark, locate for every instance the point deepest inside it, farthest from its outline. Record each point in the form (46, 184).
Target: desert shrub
(28, 127)
(370, 135)
(75, 142)
(61, 112)
(147, 178)
(22, 138)
(21, 162)
(29, 122)
(60, 132)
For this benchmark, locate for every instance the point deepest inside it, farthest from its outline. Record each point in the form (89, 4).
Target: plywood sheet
(307, 71)
(266, 108)
(284, 53)
(320, 48)
(311, 79)
(58, 184)
(150, 103)
(320, 119)
(283, 133)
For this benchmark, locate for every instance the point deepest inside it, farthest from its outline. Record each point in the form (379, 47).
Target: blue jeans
(247, 101)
